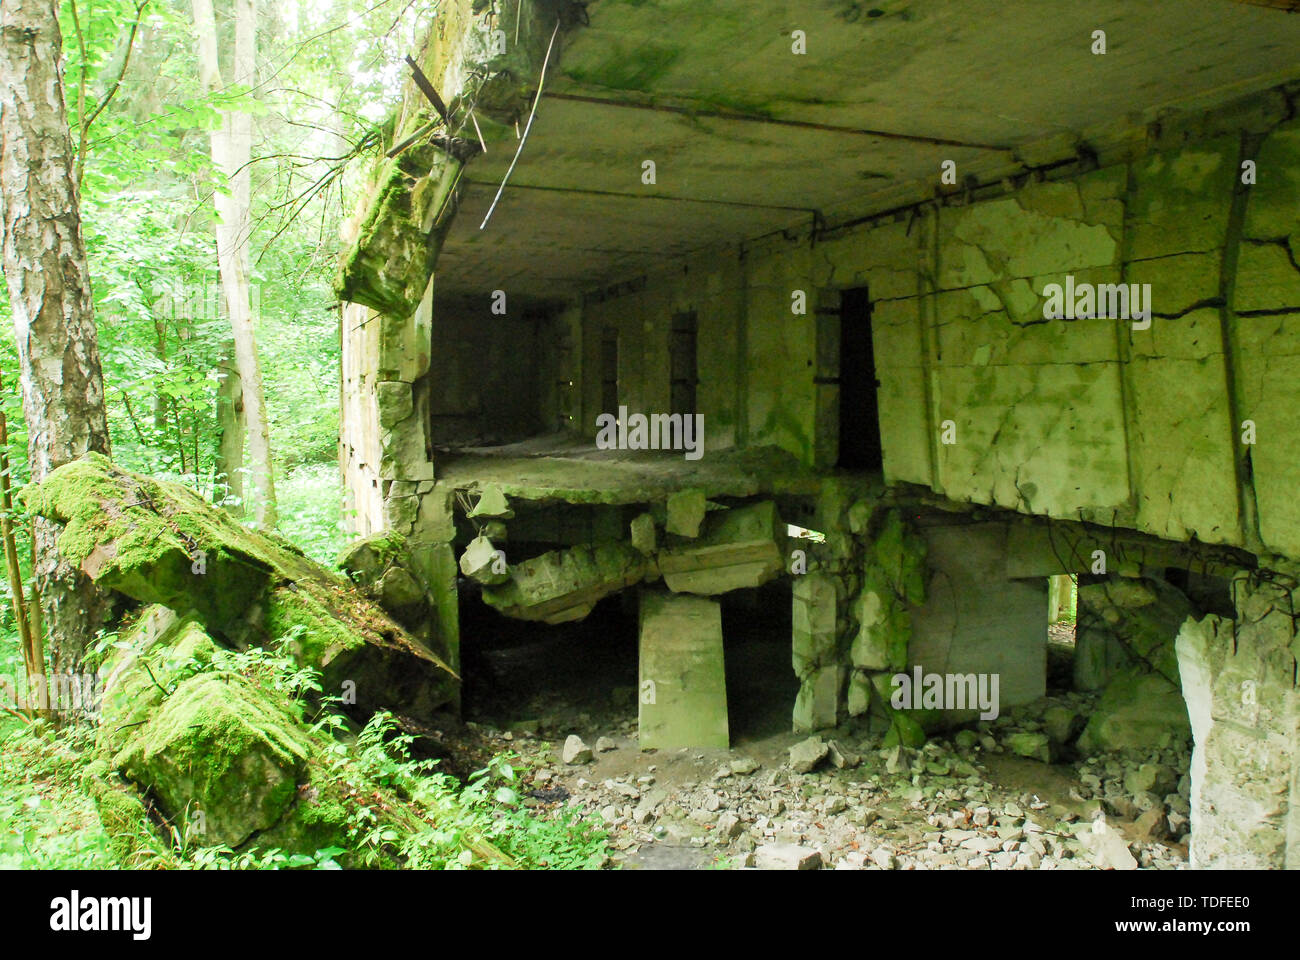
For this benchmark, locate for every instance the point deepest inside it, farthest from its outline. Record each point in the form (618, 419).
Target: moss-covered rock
(220, 746)
(161, 543)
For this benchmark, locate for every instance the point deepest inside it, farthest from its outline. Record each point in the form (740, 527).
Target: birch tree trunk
(231, 428)
(49, 294)
(231, 152)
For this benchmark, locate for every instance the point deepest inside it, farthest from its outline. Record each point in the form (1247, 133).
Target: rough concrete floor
(967, 801)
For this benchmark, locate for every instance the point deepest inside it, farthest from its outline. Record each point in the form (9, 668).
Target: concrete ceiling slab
(748, 137)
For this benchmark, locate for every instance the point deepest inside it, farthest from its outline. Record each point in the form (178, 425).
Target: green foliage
(393, 809)
(47, 821)
(311, 510)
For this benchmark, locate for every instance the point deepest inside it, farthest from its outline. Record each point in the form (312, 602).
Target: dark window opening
(682, 362)
(609, 371)
(859, 447)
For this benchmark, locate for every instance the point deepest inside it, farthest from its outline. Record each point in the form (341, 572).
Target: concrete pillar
(814, 626)
(1239, 682)
(975, 620)
(683, 689)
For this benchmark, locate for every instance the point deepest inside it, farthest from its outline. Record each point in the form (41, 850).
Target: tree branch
(112, 91)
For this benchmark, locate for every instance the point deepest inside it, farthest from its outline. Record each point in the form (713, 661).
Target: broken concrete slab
(483, 562)
(492, 503)
(565, 585)
(683, 700)
(787, 856)
(740, 548)
(383, 567)
(643, 534)
(807, 754)
(159, 542)
(210, 743)
(686, 511)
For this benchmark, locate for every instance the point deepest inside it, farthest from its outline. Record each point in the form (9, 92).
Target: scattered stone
(575, 750)
(729, 827)
(1032, 745)
(884, 858)
(605, 744)
(1060, 723)
(744, 766)
(1107, 848)
(807, 754)
(787, 856)
(841, 756)
(1151, 826)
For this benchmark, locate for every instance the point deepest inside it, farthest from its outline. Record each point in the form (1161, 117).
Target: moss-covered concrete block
(223, 748)
(161, 543)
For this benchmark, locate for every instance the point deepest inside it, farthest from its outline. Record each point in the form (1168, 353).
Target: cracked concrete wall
(714, 290)
(1089, 418)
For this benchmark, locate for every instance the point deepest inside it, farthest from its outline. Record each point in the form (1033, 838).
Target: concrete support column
(975, 620)
(814, 628)
(1239, 682)
(683, 688)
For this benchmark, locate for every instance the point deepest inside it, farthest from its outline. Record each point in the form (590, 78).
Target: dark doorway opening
(761, 684)
(682, 362)
(859, 447)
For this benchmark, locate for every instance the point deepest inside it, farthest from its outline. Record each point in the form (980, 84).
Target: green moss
(904, 730)
(125, 819)
(299, 621)
(371, 554)
(637, 69)
(220, 746)
(161, 543)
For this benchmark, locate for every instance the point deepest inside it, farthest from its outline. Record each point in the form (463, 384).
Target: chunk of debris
(605, 744)
(807, 754)
(743, 766)
(492, 503)
(643, 534)
(1107, 848)
(884, 858)
(483, 562)
(1036, 746)
(565, 585)
(728, 827)
(686, 510)
(575, 750)
(159, 542)
(740, 548)
(787, 856)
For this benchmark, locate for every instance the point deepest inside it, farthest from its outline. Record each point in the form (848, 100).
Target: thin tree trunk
(231, 151)
(229, 465)
(33, 655)
(49, 294)
(160, 351)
